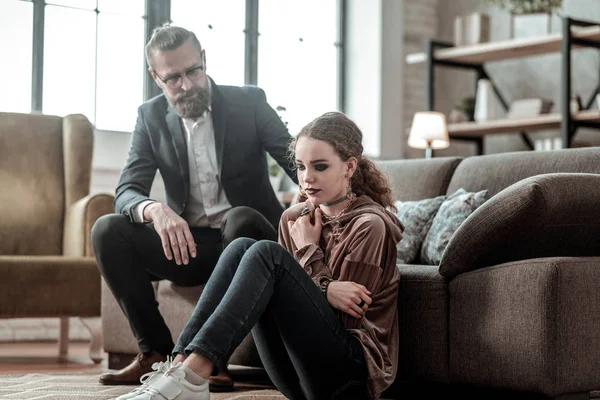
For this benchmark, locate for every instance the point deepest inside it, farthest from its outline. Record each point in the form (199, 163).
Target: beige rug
(86, 387)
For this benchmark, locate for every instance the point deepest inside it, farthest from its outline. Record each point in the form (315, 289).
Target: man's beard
(191, 104)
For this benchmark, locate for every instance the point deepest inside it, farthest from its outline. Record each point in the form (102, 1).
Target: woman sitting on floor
(321, 303)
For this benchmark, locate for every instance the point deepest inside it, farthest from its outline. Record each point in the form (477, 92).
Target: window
(93, 61)
(219, 26)
(120, 71)
(69, 61)
(93, 54)
(297, 61)
(16, 36)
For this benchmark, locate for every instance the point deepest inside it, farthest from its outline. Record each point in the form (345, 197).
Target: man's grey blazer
(246, 127)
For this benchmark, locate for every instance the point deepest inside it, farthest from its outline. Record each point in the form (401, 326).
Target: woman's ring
(361, 304)
(304, 212)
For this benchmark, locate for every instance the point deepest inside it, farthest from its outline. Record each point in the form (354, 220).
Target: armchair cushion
(452, 213)
(545, 215)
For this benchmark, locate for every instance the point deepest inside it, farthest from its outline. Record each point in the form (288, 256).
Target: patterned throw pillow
(453, 211)
(417, 217)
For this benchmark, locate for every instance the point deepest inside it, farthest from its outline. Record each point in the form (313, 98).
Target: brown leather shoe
(131, 374)
(222, 382)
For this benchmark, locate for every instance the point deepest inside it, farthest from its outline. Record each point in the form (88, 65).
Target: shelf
(538, 123)
(507, 49)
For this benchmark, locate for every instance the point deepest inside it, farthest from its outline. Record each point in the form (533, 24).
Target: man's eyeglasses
(174, 81)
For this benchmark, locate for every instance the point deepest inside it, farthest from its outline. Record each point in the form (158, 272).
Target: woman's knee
(268, 251)
(241, 243)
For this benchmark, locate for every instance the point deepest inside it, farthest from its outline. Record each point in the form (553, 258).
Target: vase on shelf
(484, 101)
(530, 24)
(471, 29)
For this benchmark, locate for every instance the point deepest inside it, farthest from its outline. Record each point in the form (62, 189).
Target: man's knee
(107, 227)
(244, 221)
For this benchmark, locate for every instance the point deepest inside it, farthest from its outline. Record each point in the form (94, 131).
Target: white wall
(363, 70)
(374, 74)
(110, 154)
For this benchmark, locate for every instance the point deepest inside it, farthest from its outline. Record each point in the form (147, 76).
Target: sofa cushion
(417, 217)
(495, 172)
(543, 216)
(453, 211)
(419, 179)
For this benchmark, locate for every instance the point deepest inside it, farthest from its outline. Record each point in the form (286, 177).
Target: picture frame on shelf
(576, 105)
(532, 107)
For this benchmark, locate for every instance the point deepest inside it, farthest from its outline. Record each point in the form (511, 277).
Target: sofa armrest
(548, 215)
(79, 220)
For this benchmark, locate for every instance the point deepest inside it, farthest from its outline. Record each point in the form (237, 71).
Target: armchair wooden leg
(94, 326)
(63, 339)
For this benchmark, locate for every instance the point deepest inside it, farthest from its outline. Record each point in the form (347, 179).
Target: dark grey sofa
(520, 312)
(515, 303)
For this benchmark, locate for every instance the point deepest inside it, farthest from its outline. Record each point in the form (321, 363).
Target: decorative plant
(467, 106)
(527, 6)
(274, 168)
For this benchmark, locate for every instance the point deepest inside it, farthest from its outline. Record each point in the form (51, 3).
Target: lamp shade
(429, 130)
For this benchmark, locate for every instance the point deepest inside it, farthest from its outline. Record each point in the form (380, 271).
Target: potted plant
(528, 17)
(467, 106)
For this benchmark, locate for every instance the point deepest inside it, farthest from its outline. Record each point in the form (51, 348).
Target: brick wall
(420, 23)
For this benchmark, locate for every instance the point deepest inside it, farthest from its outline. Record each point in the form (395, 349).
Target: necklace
(352, 197)
(338, 201)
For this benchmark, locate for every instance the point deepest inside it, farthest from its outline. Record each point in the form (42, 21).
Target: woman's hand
(346, 296)
(303, 232)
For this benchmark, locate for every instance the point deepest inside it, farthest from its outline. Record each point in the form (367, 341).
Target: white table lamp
(428, 131)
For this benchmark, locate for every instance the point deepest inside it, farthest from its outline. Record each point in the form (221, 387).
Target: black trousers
(130, 257)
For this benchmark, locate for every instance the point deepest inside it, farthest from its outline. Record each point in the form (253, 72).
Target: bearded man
(209, 143)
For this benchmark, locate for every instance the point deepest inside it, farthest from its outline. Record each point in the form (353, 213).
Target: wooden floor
(18, 358)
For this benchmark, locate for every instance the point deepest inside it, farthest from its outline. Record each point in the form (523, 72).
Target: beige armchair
(47, 268)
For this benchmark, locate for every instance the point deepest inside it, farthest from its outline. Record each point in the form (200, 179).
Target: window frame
(158, 12)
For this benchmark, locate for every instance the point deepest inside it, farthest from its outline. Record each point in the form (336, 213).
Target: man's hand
(346, 296)
(174, 232)
(303, 232)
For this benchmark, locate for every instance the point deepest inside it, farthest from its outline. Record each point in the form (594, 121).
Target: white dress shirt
(207, 202)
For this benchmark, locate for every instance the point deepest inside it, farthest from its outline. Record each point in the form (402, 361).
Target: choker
(338, 201)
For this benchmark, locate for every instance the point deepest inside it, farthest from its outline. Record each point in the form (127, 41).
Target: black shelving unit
(568, 125)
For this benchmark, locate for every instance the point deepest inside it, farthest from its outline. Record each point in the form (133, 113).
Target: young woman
(321, 303)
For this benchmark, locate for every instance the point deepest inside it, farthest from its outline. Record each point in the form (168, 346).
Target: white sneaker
(173, 386)
(159, 369)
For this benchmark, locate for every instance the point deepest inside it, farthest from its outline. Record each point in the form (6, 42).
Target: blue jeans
(304, 347)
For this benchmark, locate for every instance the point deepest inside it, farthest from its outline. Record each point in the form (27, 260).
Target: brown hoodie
(360, 246)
